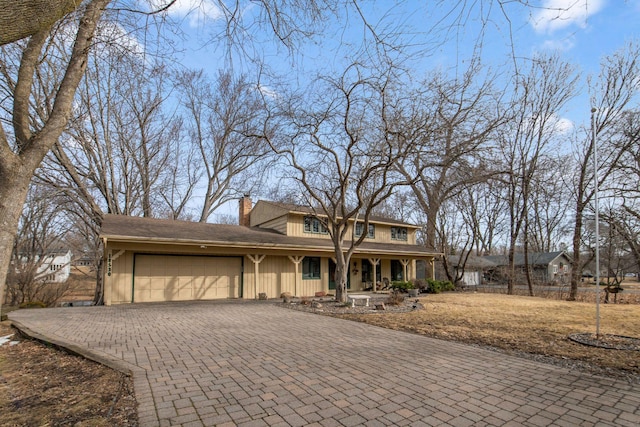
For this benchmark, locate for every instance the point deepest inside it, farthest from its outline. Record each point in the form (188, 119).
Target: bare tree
(117, 153)
(29, 130)
(470, 224)
(19, 20)
(120, 143)
(612, 96)
(222, 116)
(341, 147)
(27, 141)
(483, 210)
(622, 218)
(539, 98)
(548, 213)
(449, 126)
(33, 277)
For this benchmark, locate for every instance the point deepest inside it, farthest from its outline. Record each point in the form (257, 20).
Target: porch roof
(130, 229)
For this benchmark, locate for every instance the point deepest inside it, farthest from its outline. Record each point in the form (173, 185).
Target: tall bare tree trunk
(13, 193)
(24, 18)
(18, 161)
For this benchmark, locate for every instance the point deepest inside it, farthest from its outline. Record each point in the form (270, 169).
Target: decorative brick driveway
(254, 364)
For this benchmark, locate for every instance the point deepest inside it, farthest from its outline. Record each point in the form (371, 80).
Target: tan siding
(383, 235)
(190, 281)
(309, 287)
(295, 227)
(385, 268)
(118, 289)
(278, 224)
(277, 275)
(263, 212)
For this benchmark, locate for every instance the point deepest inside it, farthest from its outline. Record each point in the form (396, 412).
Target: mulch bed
(328, 305)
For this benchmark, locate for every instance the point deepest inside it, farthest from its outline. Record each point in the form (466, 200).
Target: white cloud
(115, 36)
(555, 15)
(267, 91)
(563, 126)
(197, 12)
(553, 126)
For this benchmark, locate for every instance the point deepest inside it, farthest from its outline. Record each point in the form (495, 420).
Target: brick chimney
(245, 210)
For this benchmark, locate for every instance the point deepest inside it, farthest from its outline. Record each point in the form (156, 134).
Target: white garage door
(182, 278)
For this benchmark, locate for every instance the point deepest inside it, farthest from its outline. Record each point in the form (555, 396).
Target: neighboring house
(546, 267)
(474, 268)
(55, 266)
(276, 248)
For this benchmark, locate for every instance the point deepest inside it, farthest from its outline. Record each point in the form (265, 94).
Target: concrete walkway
(255, 364)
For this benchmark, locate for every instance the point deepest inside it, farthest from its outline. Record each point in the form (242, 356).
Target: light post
(594, 142)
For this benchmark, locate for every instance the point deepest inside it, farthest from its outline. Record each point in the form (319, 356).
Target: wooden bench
(353, 299)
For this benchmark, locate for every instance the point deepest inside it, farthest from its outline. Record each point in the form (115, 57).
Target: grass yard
(521, 324)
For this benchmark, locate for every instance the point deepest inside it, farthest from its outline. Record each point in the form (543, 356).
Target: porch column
(296, 260)
(257, 259)
(374, 262)
(405, 262)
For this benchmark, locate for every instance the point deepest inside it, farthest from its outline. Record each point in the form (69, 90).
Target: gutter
(269, 246)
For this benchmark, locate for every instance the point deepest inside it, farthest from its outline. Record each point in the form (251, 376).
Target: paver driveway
(255, 364)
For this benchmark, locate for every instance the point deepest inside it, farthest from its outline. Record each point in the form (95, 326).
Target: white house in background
(56, 266)
(473, 268)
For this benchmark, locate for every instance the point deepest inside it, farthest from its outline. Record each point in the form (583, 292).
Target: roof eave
(256, 245)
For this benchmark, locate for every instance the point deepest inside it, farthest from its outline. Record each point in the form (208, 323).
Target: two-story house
(276, 248)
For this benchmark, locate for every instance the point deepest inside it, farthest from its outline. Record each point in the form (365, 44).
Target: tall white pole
(597, 218)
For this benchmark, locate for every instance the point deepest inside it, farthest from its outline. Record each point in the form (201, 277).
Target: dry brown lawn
(43, 386)
(520, 324)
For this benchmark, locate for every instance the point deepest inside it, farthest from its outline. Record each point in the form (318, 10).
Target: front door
(332, 276)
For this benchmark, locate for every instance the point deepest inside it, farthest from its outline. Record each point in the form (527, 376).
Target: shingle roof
(290, 207)
(138, 229)
(471, 262)
(534, 258)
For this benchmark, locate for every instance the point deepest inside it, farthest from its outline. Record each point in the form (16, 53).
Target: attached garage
(157, 260)
(159, 278)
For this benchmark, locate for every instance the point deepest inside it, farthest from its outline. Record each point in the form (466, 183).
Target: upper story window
(399, 233)
(372, 230)
(314, 225)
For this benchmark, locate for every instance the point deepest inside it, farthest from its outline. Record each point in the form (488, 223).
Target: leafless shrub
(396, 297)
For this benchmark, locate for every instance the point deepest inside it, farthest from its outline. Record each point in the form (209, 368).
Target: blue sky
(583, 31)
